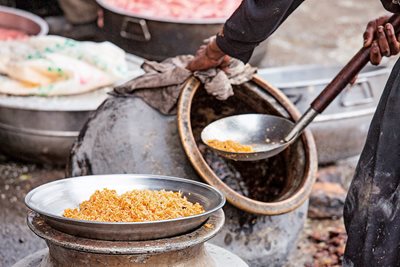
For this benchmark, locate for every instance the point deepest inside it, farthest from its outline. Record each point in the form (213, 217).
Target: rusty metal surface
(38, 225)
(195, 256)
(220, 256)
(184, 250)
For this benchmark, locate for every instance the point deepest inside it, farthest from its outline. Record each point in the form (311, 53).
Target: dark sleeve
(253, 22)
(390, 6)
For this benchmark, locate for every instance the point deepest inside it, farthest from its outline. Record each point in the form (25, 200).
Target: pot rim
(38, 132)
(44, 27)
(207, 174)
(345, 115)
(123, 12)
(379, 70)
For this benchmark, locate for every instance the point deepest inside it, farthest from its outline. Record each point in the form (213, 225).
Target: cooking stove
(185, 250)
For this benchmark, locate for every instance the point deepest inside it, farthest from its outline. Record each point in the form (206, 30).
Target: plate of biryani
(130, 207)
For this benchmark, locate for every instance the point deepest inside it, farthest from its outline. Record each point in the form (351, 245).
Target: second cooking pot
(16, 19)
(157, 38)
(340, 132)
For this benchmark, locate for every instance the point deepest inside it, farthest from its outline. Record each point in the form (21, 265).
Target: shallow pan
(17, 19)
(51, 199)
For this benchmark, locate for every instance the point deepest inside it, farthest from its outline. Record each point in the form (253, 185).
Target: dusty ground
(16, 179)
(322, 242)
(321, 31)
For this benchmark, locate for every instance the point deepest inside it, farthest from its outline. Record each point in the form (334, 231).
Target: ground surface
(16, 179)
(320, 32)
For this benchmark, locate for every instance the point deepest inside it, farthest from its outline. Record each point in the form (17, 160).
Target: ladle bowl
(264, 133)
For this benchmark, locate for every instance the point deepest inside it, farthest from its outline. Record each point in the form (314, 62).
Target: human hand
(208, 56)
(386, 43)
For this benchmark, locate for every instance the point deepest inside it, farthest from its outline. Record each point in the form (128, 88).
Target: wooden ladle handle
(349, 71)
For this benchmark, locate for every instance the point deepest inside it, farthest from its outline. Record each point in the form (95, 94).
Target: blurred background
(321, 32)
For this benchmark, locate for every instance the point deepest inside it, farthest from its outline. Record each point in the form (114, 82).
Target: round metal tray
(51, 199)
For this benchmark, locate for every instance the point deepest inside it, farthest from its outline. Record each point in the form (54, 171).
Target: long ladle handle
(332, 90)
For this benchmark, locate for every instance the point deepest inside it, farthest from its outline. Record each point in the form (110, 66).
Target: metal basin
(21, 20)
(340, 132)
(43, 129)
(51, 199)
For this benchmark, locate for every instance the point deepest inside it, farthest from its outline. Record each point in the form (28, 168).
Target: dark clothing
(372, 208)
(253, 22)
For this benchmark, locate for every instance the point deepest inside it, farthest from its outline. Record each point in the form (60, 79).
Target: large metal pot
(125, 135)
(158, 38)
(43, 129)
(21, 20)
(340, 132)
(43, 132)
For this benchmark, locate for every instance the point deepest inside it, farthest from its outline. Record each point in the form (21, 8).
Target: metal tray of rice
(128, 207)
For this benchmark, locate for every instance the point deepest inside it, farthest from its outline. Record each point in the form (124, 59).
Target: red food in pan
(179, 9)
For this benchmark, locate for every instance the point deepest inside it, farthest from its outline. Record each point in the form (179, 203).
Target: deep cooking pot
(340, 132)
(21, 20)
(139, 139)
(159, 38)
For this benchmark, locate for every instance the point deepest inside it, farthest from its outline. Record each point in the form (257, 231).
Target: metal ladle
(269, 135)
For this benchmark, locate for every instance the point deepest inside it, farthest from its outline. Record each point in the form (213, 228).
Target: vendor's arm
(253, 22)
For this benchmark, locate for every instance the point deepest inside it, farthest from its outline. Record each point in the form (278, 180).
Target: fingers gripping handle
(344, 77)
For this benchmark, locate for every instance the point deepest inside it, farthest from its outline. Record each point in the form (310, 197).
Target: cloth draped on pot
(372, 208)
(161, 84)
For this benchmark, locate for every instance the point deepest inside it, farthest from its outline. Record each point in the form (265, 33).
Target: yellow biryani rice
(134, 206)
(230, 146)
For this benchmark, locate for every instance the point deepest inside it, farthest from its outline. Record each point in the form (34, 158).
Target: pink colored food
(179, 9)
(9, 34)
